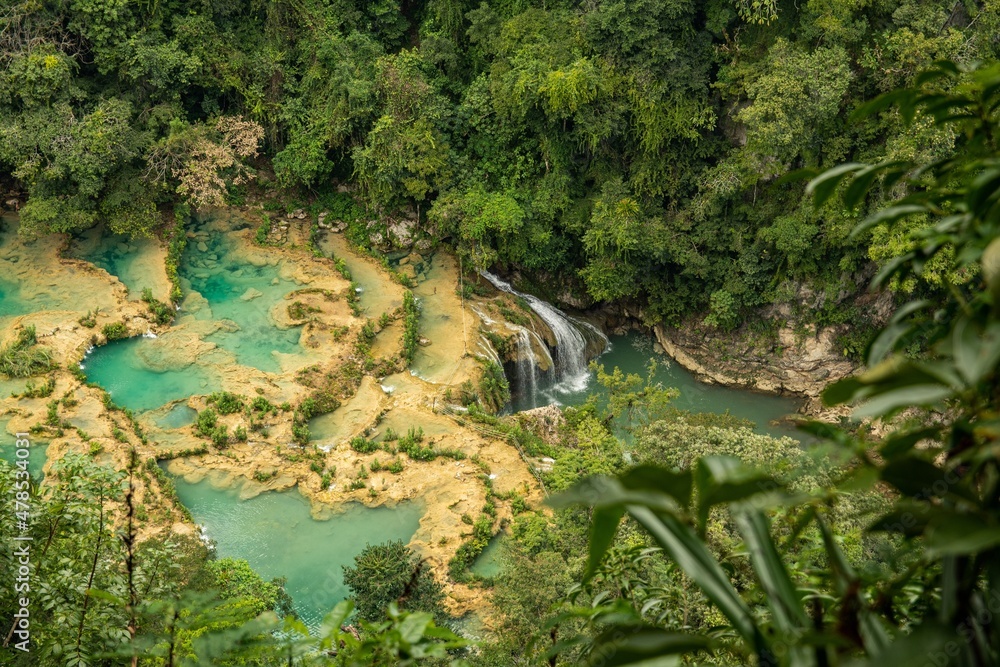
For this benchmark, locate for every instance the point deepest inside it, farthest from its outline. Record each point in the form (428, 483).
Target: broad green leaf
(413, 625)
(677, 485)
(919, 479)
(899, 443)
(883, 102)
(823, 185)
(603, 527)
(782, 597)
(693, 557)
(955, 534)
(645, 646)
(886, 215)
(891, 401)
(862, 181)
(991, 270)
(724, 479)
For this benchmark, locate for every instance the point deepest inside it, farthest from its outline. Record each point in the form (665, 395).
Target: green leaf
(956, 533)
(824, 185)
(883, 102)
(657, 478)
(893, 266)
(645, 646)
(889, 402)
(693, 557)
(724, 479)
(887, 215)
(796, 175)
(899, 443)
(603, 527)
(862, 181)
(782, 597)
(413, 625)
(842, 391)
(991, 270)
(919, 479)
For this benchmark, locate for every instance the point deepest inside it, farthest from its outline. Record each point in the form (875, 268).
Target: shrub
(363, 445)
(226, 403)
(162, 313)
(383, 572)
(115, 331)
(21, 358)
(205, 423)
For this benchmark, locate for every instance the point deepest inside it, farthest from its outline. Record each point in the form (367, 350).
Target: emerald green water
(490, 562)
(632, 352)
(130, 371)
(8, 450)
(277, 535)
(123, 257)
(178, 416)
(240, 292)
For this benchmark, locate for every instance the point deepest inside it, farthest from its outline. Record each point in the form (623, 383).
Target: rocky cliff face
(793, 363)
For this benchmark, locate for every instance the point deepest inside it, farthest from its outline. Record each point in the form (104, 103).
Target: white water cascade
(570, 362)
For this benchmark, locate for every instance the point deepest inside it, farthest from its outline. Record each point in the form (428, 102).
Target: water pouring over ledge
(576, 342)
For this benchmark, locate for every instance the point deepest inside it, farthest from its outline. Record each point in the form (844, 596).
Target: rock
(300, 214)
(404, 261)
(251, 294)
(423, 342)
(202, 247)
(338, 227)
(13, 204)
(401, 232)
(423, 246)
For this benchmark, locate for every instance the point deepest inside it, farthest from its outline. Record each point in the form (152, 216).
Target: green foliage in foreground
(98, 597)
(21, 358)
(932, 602)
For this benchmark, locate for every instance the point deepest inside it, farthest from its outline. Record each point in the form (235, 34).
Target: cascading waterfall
(571, 336)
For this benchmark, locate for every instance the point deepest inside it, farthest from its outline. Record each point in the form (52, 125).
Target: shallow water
(277, 535)
(178, 416)
(132, 261)
(378, 293)
(230, 288)
(631, 353)
(444, 322)
(138, 377)
(489, 563)
(8, 450)
(32, 279)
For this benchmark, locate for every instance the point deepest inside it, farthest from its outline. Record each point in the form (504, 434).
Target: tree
(944, 510)
(391, 573)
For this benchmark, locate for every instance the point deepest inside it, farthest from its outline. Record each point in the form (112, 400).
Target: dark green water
(631, 353)
(277, 535)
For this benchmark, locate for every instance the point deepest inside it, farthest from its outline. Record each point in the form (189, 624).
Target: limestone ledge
(803, 365)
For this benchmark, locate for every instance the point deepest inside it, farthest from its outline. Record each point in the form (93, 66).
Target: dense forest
(697, 159)
(632, 146)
